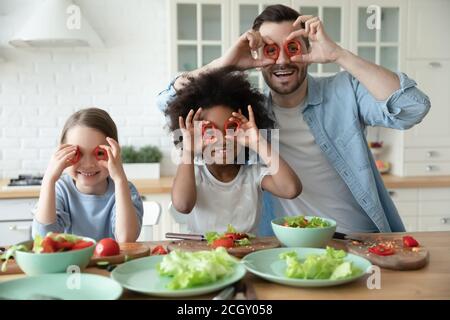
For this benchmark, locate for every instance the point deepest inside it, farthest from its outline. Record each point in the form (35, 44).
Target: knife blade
(185, 236)
(343, 236)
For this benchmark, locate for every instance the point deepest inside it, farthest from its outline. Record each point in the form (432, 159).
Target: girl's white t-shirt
(238, 202)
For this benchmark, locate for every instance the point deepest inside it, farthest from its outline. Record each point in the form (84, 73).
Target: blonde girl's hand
(114, 162)
(64, 157)
(248, 133)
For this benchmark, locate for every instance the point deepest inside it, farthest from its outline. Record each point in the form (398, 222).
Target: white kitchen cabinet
(428, 26)
(423, 209)
(15, 220)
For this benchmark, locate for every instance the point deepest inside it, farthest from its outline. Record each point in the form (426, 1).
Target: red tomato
(223, 242)
(382, 250)
(64, 245)
(271, 51)
(107, 247)
(81, 244)
(410, 242)
(159, 250)
(236, 235)
(48, 245)
(293, 48)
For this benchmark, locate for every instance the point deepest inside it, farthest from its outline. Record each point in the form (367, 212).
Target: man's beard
(278, 88)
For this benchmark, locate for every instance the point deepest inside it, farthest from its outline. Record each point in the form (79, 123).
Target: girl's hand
(60, 160)
(114, 162)
(190, 145)
(249, 135)
(322, 49)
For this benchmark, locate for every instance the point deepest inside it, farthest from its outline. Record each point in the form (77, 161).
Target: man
(322, 120)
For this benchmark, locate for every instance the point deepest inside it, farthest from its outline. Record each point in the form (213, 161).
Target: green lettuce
(330, 265)
(191, 269)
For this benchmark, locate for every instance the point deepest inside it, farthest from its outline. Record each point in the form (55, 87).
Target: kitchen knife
(343, 236)
(185, 236)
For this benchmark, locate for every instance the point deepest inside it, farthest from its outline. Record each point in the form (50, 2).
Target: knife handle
(185, 236)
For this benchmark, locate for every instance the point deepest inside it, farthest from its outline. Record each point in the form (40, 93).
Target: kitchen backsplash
(40, 88)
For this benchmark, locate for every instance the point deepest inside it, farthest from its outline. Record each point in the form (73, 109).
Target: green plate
(268, 265)
(140, 275)
(61, 286)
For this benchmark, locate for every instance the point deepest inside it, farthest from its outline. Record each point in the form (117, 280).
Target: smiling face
(219, 115)
(284, 77)
(89, 175)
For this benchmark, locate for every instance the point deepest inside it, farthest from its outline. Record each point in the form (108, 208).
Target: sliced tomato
(64, 245)
(271, 51)
(382, 250)
(410, 242)
(223, 242)
(81, 244)
(293, 48)
(235, 235)
(159, 250)
(100, 153)
(48, 245)
(76, 157)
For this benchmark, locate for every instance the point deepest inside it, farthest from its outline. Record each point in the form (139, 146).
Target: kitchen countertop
(430, 282)
(164, 185)
(144, 186)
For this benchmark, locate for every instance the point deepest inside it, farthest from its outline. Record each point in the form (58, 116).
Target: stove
(25, 180)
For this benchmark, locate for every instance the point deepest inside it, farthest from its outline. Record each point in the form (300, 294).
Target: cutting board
(403, 259)
(128, 251)
(239, 252)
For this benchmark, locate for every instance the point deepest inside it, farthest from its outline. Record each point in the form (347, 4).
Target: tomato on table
(107, 247)
(159, 250)
(225, 242)
(410, 242)
(382, 250)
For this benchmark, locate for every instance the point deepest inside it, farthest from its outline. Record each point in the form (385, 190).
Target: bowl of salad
(304, 231)
(54, 253)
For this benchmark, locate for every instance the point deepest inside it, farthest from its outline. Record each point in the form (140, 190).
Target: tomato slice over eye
(76, 157)
(232, 125)
(271, 51)
(208, 130)
(293, 48)
(100, 154)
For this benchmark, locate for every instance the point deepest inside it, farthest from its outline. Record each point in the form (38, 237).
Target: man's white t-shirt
(324, 192)
(237, 202)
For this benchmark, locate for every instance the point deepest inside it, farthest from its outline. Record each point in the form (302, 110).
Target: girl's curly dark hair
(223, 86)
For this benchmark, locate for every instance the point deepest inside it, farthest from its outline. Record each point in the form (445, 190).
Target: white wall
(40, 88)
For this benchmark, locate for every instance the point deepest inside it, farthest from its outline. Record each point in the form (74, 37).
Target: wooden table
(431, 282)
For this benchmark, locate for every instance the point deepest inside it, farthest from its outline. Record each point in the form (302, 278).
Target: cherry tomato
(410, 242)
(76, 157)
(271, 51)
(100, 154)
(107, 247)
(223, 242)
(159, 250)
(292, 48)
(81, 244)
(382, 250)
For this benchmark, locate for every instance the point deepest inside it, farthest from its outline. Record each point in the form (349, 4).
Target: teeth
(283, 73)
(87, 174)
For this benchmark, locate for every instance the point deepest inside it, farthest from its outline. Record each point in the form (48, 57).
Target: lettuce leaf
(191, 269)
(330, 265)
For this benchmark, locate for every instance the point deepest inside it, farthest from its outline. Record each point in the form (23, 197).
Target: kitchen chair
(152, 212)
(179, 218)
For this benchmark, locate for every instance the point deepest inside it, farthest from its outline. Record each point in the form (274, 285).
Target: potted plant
(143, 163)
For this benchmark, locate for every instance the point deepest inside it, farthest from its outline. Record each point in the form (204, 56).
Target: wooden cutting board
(403, 259)
(128, 251)
(239, 252)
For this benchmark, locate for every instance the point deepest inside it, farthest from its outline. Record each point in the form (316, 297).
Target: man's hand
(322, 48)
(240, 54)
